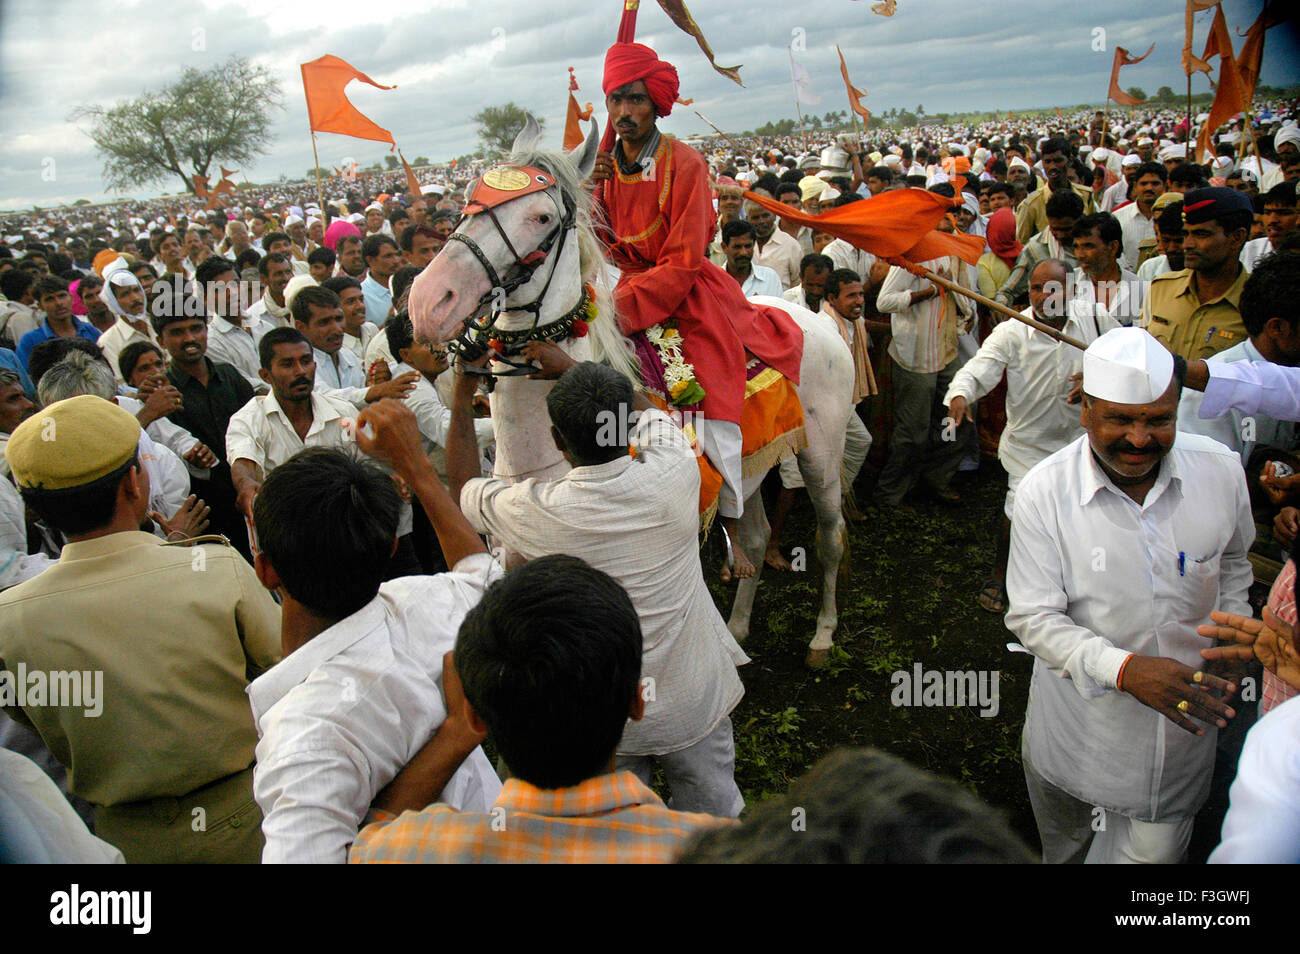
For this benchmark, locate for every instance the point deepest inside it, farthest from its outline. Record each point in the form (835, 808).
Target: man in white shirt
(270, 429)
(773, 248)
(318, 314)
(926, 321)
(1280, 220)
(126, 299)
(357, 332)
(738, 245)
(635, 519)
(233, 337)
(1117, 195)
(1102, 287)
(1122, 543)
(276, 270)
(1040, 418)
(358, 693)
(813, 271)
(1136, 218)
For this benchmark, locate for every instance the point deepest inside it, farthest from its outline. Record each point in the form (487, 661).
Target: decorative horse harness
(495, 187)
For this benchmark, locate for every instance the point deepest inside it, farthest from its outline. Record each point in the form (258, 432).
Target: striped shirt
(925, 333)
(1281, 600)
(608, 819)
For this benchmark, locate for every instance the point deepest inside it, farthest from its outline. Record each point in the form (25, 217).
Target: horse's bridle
(484, 197)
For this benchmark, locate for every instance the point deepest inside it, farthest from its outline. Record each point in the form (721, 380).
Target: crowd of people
(246, 498)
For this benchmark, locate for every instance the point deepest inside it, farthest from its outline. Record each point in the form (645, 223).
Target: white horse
(488, 260)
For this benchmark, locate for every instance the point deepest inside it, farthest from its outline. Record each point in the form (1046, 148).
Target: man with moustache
(654, 194)
(1279, 221)
(1137, 218)
(1169, 241)
(773, 248)
(1122, 543)
(1031, 216)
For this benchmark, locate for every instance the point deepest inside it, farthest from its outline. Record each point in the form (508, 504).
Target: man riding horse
(655, 198)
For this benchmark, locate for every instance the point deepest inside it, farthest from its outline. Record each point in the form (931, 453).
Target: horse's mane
(607, 341)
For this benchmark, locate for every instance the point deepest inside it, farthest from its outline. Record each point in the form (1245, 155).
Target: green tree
(1137, 92)
(498, 126)
(1165, 94)
(390, 161)
(207, 118)
(420, 161)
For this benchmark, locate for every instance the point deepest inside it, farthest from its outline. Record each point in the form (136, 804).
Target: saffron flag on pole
(1229, 96)
(1252, 51)
(572, 131)
(1122, 58)
(412, 184)
(855, 94)
(328, 107)
(1191, 62)
(894, 225)
(677, 12)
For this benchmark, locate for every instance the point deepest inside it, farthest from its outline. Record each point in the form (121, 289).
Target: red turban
(628, 62)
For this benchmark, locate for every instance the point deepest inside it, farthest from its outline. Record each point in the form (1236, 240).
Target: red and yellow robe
(660, 225)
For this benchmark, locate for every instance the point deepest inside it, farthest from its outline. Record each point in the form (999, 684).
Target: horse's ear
(528, 136)
(584, 157)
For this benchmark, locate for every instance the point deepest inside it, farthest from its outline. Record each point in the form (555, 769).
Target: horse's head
(503, 246)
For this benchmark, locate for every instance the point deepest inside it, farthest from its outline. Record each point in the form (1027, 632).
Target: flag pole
(734, 147)
(1187, 136)
(1003, 309)
(320, 195)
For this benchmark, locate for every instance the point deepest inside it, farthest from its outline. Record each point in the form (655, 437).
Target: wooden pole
(1187, 136)
(1003, 309)
(734, 148)
(320, 195)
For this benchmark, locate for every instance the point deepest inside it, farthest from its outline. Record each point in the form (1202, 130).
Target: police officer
(1194, 313)
(143, 649)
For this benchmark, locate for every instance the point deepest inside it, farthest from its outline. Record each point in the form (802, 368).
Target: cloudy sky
(450, 58)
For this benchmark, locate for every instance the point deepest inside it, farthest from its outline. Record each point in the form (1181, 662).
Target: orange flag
(677, 12)
(1191, 62)
(412, 186)
(573, 136)
(1122, 58)
(328, 108)
(1252, 52)
(894, 225)
(200, 185)
(1229, 98)
(855, 94)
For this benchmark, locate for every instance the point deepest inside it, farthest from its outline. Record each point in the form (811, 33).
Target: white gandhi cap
(1127, 366)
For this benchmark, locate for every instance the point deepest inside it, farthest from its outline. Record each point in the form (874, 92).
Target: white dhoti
(721, 442)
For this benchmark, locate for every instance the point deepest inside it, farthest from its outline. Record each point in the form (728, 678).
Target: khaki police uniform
(165, 637)
(1178, 319)
(1031, 217)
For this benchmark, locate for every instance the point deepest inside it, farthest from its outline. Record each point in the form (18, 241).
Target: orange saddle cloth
(771, 425)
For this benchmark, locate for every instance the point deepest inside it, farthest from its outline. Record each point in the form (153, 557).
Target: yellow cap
(72, 443)
(1164, 199)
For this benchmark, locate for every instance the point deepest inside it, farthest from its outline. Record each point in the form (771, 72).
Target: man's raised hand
(388, 430)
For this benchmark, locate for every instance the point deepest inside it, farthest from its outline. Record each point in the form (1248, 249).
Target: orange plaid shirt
(608, 819)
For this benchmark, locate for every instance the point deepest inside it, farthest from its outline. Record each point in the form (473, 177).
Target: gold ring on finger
(1184, 706)
(1198, 677)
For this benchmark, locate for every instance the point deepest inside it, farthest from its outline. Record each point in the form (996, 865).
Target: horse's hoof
(817, 658)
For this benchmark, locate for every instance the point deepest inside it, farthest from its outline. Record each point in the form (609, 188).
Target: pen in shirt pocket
(1182, 563)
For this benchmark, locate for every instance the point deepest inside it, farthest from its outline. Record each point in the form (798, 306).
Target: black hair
(1106, 225)
(50, 352)
(397, 215)
(273, 258)
(338, 283)
(402, 279)
(785, 187)
(1187, 174)
(76, 510)
(278, 336)
(865, 806)
(400, 333)
(1281, 194)
(815, 260)
(272, 237)
(589, 406)
(1056, 145)
(1271, 291)
(374, 244)
(317, 295)
(1065, 204)
(16, 282)
(322, 256)
(550, 659)
(881, 172)
(131, 355)
(737, 227)
(212, 266)
(248, 258)
(838, 278)
(1151, 169)
(363, 508)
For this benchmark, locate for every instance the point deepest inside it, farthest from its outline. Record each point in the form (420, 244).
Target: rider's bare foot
(742, 570)
(776, 559)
